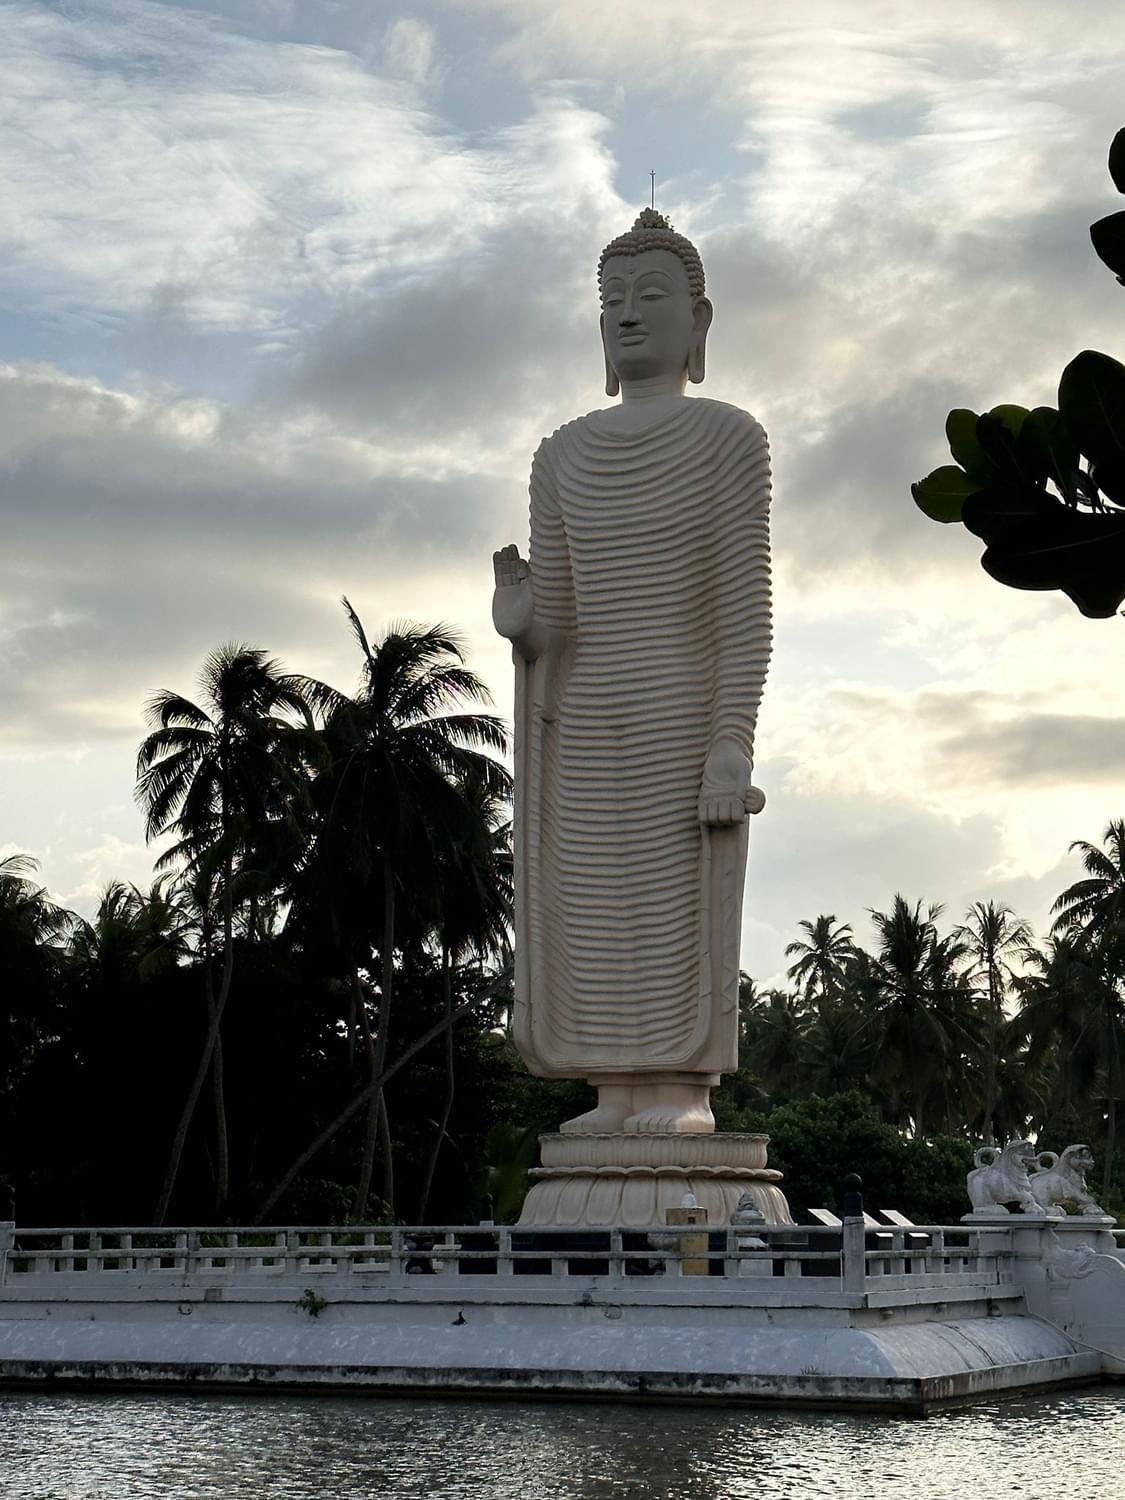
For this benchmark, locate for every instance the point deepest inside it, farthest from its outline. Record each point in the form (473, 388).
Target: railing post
(7, 1237)
(853, 1237)
(935, 1260)
(899, 1262)
(504, 1263)
(730, 1253)
(616, 1256)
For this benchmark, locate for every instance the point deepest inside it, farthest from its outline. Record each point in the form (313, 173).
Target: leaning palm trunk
(222, 1143)
(214, 1021)
(334, 1127)
(1112, 1056)
(450, 1082)
(374, 1113)
(378, 1060)
(388, 1154)
(916, 1077)
(1110, 1143)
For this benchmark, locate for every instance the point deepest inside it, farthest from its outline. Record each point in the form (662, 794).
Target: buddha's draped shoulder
(697, 437)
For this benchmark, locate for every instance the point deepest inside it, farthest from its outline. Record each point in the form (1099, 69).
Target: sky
(290, 290)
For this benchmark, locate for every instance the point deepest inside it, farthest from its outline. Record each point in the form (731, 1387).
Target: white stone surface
(641, 635)
(1062, 1179)
(599, 1346)
(1000, 1177)
(632, 1179)
(1004, 1305)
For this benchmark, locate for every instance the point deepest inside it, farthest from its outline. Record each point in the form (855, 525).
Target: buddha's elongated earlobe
(697, 350)
(612, 384)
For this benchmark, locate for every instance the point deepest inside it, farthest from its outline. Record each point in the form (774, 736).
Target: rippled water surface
(148, 1447)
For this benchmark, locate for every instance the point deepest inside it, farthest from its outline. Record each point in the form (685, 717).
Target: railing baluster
(616, 1256)
(853, 1256)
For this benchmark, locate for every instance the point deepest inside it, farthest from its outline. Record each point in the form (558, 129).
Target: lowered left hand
(725, 793)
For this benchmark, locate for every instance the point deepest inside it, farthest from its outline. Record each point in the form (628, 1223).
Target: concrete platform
(907, 1321)
(605, 1345)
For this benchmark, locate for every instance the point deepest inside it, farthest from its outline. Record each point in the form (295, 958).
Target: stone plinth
(631, 1180)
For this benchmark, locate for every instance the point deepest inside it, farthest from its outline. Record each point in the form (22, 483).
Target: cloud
(314, 281)
(159, 160)
(142, 530)
(1039, 749)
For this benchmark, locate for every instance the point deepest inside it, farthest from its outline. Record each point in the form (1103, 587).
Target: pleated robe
(650, 570)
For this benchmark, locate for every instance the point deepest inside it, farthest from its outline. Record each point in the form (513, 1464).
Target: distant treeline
(305, 1017)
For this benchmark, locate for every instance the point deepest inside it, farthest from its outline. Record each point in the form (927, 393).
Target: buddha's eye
(652, 294)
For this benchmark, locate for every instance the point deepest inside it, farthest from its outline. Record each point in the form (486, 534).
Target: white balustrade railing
(853, 1258)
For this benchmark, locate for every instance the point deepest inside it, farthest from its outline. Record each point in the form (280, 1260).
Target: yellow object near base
(693, 1247)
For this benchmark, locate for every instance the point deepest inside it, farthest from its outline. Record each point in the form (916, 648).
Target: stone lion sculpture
(1000, 1177)
(1062, 1179)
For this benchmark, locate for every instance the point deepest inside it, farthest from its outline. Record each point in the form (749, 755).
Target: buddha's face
(649, 317)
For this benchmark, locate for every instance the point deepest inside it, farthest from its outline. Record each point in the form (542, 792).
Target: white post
(616, 1256)
(7, 1237)
(854, 1236)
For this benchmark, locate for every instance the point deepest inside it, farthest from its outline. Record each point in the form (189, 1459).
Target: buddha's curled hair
(652, 231)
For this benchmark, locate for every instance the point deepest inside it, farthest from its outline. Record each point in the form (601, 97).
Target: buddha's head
(655, 316)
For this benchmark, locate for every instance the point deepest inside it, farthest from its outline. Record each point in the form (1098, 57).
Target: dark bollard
(853, 1196)
(853, 1268)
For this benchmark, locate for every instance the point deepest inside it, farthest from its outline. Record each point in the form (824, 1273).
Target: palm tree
(836, 1050)
(821, 959)
(1073, 1013)
(917, 1031)
(1093, 904)
(27, 913)
(955, 1005)
(133, 935)
(401, 759)
(220, 778)
(995, 935)
(777, 1032)
(33, 932)
(474, 896)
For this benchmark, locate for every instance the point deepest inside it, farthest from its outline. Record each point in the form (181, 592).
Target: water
(155, 1447)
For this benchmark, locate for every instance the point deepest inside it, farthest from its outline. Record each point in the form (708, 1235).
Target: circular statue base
(631, 1180)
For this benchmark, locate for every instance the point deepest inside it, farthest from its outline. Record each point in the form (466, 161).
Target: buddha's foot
(671, 1109)
(615, 1101)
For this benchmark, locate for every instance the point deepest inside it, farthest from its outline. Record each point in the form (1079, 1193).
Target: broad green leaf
(1036, 542)
(1092, 403)
(942, 494)
(1108, 236)
(997, 433)
(1012, 417)
(1047, 450)
(961, 430)
(1117, 160)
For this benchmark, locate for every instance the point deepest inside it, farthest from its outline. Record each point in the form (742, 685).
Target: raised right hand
(513, 603)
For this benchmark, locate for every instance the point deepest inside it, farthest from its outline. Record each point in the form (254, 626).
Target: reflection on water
(155, 1447)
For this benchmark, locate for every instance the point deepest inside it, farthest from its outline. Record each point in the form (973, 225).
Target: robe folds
(649, 564)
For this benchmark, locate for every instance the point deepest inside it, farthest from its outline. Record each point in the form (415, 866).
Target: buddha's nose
(629, 314)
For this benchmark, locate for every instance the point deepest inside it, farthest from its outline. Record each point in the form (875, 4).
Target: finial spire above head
(652, 231)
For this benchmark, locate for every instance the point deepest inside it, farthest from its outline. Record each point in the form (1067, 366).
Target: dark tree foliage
(893, 1060)
(1045, 489)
